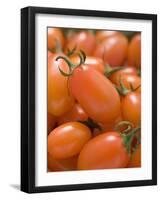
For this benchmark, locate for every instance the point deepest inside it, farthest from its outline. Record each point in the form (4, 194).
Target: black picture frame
(28, 98)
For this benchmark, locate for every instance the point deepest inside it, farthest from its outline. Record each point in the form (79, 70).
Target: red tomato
(62, 164)
(101, 35)
(84, 40)
(59, 99)
(128, 81)
(51, 122)
(55, 38)
(67, 140)
(104, 152)
(96, 63)
(50, 54)
(131, 108)
(95, 93)
(135, 160)
(134, 51)
(75, 114)
(113, 50)
(125, 70)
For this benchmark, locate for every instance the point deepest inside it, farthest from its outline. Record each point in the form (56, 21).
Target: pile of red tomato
(94, 99)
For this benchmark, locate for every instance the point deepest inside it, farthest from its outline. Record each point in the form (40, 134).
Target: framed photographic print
(88, 99)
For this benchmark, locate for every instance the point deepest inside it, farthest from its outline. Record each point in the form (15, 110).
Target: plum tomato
(68, 139)
(83, 40)
(55, 39)
(104, 151)
(75, 114)
(101, 35)
(131, 108)
(59, 99)
(95, 93)
(67, 164)
(113, 50)
(134, 51)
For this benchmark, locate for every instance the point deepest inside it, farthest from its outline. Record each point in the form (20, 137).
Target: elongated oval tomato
(68, 139)
(131, 108)
(75, 114)
(51, 122)
(101, 35)
(104, 152)
(59, 98)
(95, 93)
(134, 51)
(55, 38)
(113, 50)
(83, 40)
(135, 160)
(93, 62)
(62, 164)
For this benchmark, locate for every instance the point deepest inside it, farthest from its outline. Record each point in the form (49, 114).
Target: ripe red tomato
(75, 114)
(135, 160)
(68, 139)
(128, 81)
(51, 122)
(131, 108)
(95, 93)
(104, 152)
(83, 40)
(101, 35)
(62, 164)
(134, 51)
(59, 98)
(96, 63)
(55, 38)
(50, 54)
(113, 50)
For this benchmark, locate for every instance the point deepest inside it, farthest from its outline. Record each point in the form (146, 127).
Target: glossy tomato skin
(113, 50)
(75, 114)
(95, 93)
(105, 151)
(55, 37)
(135, 160)
(67, 140)
(101, 35)
(62, 164)
(131, 108)
(93, 62)
(134, 51)
(51, 122)
(83, 40)
(59, 98)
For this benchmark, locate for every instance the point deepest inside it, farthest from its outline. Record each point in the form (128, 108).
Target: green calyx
(128, 134)
(109, 70)
(71, 65)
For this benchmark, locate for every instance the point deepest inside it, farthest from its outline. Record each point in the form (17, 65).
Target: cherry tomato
(62, 164)
(135, 160)
(55, 38)
(68, 139)
(101, 35)
(131, 108)
(59, 98)
(51, 122)
(128, 81)
(104, 152)
(113, 50)
(83, 40)
(134, 51)
(95, 93)
(75, 114)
